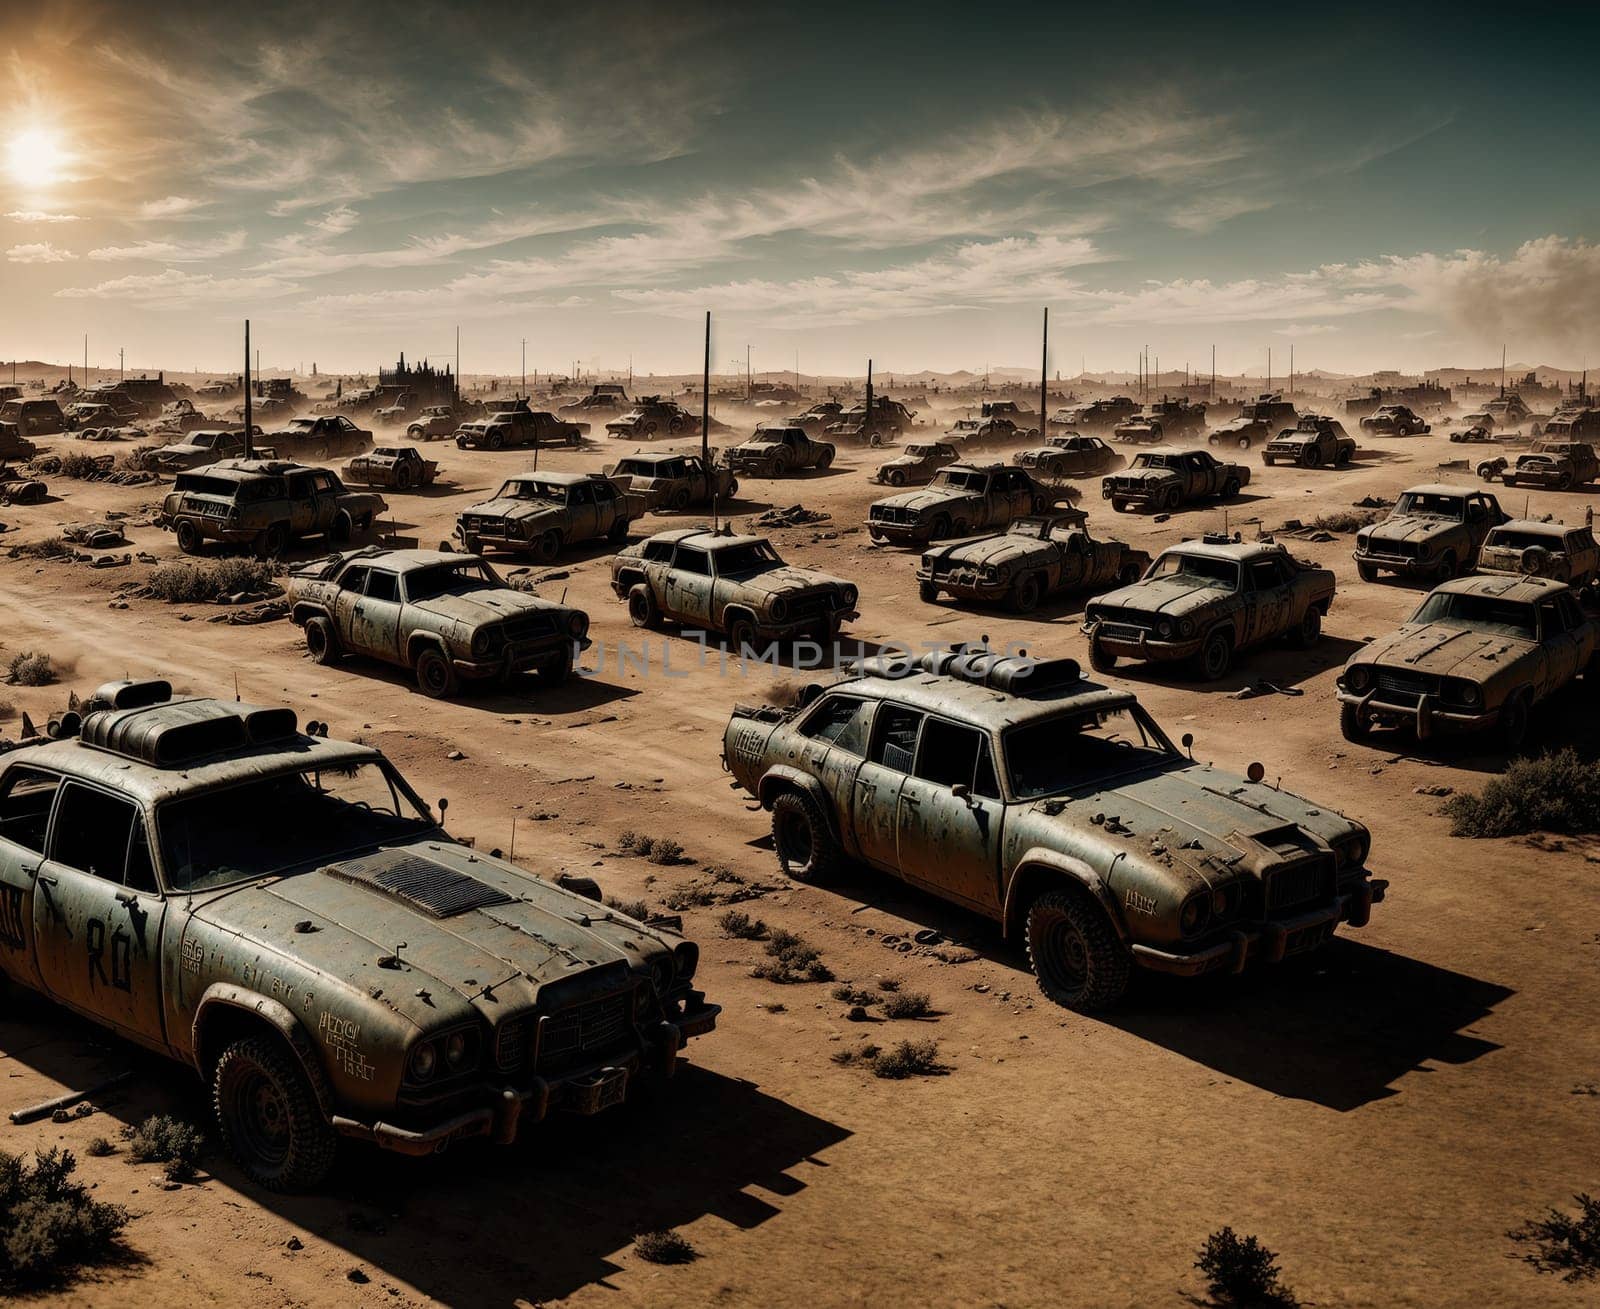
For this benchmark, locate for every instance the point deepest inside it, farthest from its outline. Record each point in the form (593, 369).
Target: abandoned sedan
(962, 499)
(266, 504)
(1037, 557)
(916, 463)
(446, 617)
(1316, 441)
(398, 467)
(1068, 454)
(1056, 807)
(538, 514)
(1205, 600)
(214, 885)
(736, 585)
(1433, 531)
(1527, 547)
(1478, 654)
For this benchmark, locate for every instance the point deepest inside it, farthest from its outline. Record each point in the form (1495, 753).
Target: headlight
(424, 1062)
(1164, 628)
(1196, 910)
(1363, 540)
(1358, 677)
(578, 625)
(1466, 692)
(455, 1051)
(850, 595)
(1354, 851)
(1225, 900)
(778, 609)
(1186, 627)
(487, 640)
(685, 959)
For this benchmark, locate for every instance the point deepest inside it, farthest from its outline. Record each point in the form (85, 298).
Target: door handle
(911, 799)
(49, 879)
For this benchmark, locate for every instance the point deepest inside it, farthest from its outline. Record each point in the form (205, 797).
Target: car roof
(1240, 550)
(1524, 589)
(982, 705)
(555, 479)
(1536, 526)
(406, 560)
(1439, 488)
(704, 539)
(239, 469)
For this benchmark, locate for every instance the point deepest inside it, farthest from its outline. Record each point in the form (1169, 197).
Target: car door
(349, 597)
(27, 796)
(891, 754)
(835, 731)
(98, 913)
(1269, 596)
(302, 504)
(1558, 643)
(949, 816)
(582, 523)
(688, 589)
(376, 624)
(605, 506)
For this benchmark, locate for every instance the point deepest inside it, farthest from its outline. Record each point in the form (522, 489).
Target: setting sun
(36, 157)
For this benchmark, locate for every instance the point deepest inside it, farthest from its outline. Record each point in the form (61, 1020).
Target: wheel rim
(638, 610)
(1216, 658)
(1062, 953)
(261, 1118)
(433, 673)
(316, 641)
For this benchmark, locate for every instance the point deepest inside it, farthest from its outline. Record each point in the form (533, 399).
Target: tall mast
(1044, 366)
(249, 437)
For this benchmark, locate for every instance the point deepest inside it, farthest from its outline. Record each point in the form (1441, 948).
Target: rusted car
(447, 617)
(326, 437)
(282, 913)
(736, 585)
(434, 423)
(1475, 435)
(1501, 413)
(1553, 465)
(1394, 420)
(673, 481)
(1097, 416)
(1165, 480)
(1165, 420)
(1478, 655)
(198, 450)
(1316, 441)
(1068, 454)
(540, 514)
(396, 467)
(1056, 807)
(1257, 421)
(817, 418)
(1433, 531)
(1205, 601)
(22, 420)
(603, 398)
(962, 499)
(1531, 547)
(890, 421)
(916, 463)
(1037, 558)
(777, 449)
(266, 504)
(653, 416)
(519, 426)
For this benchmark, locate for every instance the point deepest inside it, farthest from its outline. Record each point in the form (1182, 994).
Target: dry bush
(55, 547)
(688, 896)
(741, 926)
(1346, 520)
(907, 1004)
(1564, 1244)
(638, 910)
(906, 1059)
(791, 960)
(664, 850)
(206, 582)
(163, 1139)
(99, 1147)
(78, 465)
(847, 994)
(1240, 1271)
(50, 1226)
(666, 1247)
(1557, 792)
(31, 668)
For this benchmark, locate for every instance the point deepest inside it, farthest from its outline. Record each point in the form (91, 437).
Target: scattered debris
(793, 516)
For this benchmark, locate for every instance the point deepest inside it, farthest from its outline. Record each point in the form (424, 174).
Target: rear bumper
(1426, 716)
(504, 1109)
(1271, 942)
(527, 656)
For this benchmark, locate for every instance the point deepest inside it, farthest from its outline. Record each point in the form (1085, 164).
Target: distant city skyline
(1393, 187)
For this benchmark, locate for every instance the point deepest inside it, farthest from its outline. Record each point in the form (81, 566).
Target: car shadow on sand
(528, 694)
(1275, 664)
(541, 1219)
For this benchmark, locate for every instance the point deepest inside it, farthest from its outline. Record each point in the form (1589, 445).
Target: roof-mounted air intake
(978, 664)
(174, 734)
(129, 695)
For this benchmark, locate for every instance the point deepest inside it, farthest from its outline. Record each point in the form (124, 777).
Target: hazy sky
(1379, 185)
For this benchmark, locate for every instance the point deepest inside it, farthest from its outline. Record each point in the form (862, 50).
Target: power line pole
(1044, 367)
(705, 417)
(249, 439)
(525, 394)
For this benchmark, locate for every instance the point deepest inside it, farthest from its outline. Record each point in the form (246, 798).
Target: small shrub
(1557, 792)
(791, 960)
(163, 1139)
(888, 984)
(636, 909)
(643, 845)
(847, 994)
(665, 851)
(907, 1059)
(210, 581)
(49, 1225)
(78, 465)
(627, 840)
(31, 668)
(99, 1147)
(741, 926)
(1240, 1271)
(1564, 1244)
(863, 1054)
(907, 1004)
(666, 1247)
(54, 548)
(1346, 520)
(689, 896)
(723, 875)
(776, 1007)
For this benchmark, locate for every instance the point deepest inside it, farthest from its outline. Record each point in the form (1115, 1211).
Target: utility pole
(1044, 367)
(1291, 372)
(525, 394)
(1502, 370)
(122, 362)
(86, 359)
(866, 429)
(249, 439)
(1211, 395)
(1269, 370)
(705, 417)
(747, 372)
(458, 361)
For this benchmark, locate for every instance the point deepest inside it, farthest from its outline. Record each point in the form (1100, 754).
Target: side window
(1264, 574)
(984, 781)
(658, 552)
(582, 494)
(948, 754)
(1552, 622)
(25, 799)
(141, 875)
(840, 720)
(1570, 610)
(694, 561)
(354, 579)
(894, 744)
(604, 491)
(383, 585)
(300, 486)
(93, 832)
(322, 482)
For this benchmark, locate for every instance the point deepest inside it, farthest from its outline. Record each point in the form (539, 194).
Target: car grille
(530, 627)
(571, 1033)
(1401, 687)
(893, 514)
(1299, 886)
(511, 1044)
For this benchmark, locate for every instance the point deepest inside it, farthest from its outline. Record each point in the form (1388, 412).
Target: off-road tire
(1171, 499)
(1513, 726)
(1350, 725)
(189, 538)
(322, 643)
(1230, 488)
(617, 533)
(548, 547)
(273, 542)
(741, 633)
(895, 477)
(1343, 456)
(1100, 659)
(1309, 630)
(802, 839)
(939, 528)
(1311, 457)
(680, 499)
(825, 459)
(642, 608)
(404, 476)
(1215, 656)
(495, 440)
(928, 592)
(1245, 442)
(1026, 594)
(1368, 572)
(436, 677)
(1447, 567)
(269, 1118)
(1074, 952)
(1118, 505)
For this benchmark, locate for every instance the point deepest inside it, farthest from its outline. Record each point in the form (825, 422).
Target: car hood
(927, 498)
(786, 581)
(514, 509)
(522, 935)
(989, 550)
(480, 607)
(1445, 651)
(1161, 596)
(1147, 474)
(1411, 527)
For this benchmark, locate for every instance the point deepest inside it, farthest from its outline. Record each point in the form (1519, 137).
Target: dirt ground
(1380, 1115)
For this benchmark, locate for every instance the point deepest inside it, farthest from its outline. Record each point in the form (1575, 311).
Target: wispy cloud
(172, 206)
(177, 289)
(174, 252)
(42, 216)
(39, 252)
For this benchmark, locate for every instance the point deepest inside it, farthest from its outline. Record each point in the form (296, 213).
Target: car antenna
(513, 858)
(563, 595)
(236, 686)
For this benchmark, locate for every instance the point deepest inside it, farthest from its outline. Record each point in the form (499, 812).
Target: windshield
(747, 560)
(1082, 748)
(767, 435)
(1429, 505)
(527, 489)
(1198, 570)
(450, 579)
(1479, 613)
(922, 451)
(960, 481)
(277, 823)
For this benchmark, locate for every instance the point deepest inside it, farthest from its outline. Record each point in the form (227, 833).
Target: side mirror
(443, 805)
(962, 792)
(1188, 743)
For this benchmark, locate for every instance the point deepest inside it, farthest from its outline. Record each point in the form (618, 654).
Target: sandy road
(1380, 1115)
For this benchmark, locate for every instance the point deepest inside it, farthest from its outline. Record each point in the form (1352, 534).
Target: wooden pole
(249, 437)
(1044, 367)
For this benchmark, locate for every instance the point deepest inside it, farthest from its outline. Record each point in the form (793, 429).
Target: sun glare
(35, 157)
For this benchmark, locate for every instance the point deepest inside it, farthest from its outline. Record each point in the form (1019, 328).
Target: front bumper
(587, 1090)
(500, 539)
(1269, 942)
(964, 584)
(1426, 716)
(1130, 642)
(524, 657)
(900, 533)
(1406, 566)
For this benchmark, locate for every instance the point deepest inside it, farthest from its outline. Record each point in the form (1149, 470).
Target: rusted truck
(1165, 480)
(673, 481)
(393, 467)
(1037, 558)
(266, 504)
(283, 914)
(1552, 464)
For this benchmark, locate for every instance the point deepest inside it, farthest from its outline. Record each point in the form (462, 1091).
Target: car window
(582, 494)
(354, 578)
(840, 720)
(25, 800)
(894, 744)
(93, 831)
(948, 753)
(1264, 574)
(382, 585)
(658, 552)
(694, 561)
(1570, 610)
(300, 485)
(1552, 622)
